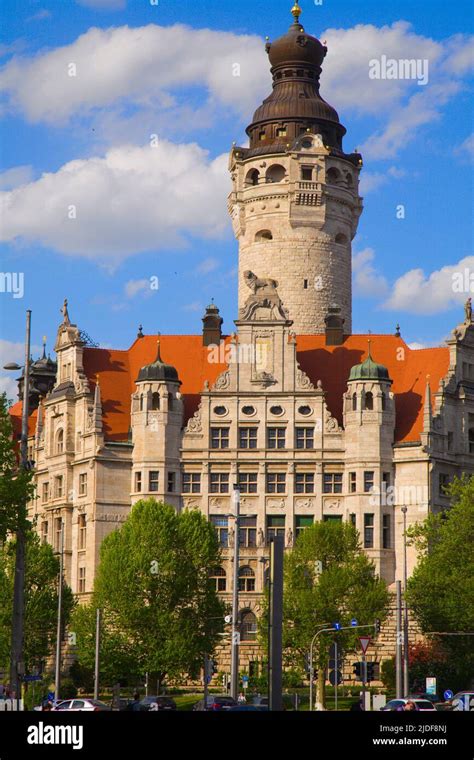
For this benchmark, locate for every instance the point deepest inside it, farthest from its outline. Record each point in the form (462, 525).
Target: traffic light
(372, 671)
(377, 626)
(357, 669)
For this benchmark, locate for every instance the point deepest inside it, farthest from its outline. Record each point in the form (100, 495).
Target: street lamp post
(235, 640)
(406, 687)
(18, 613)
(57, 676)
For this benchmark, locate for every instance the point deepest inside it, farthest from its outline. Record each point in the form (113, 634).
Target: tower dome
(369, 370)
(158, 371)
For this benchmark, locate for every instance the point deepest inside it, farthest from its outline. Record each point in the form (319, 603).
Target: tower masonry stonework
(295, 203)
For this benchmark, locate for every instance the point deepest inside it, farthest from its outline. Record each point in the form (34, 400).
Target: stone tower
(295, 203)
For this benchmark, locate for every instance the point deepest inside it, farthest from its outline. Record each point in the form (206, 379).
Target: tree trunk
(321, 690)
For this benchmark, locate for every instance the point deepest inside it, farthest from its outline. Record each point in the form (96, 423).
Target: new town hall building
(312, 421)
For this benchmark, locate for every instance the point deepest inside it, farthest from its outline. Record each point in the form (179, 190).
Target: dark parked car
(215, 703)
(248, 708)
(157, 704)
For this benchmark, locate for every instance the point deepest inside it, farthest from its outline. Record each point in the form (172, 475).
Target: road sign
(335, 677)
(236, 638)
(336, 626)
(245, 679)
(431, 685)
(448, 694)
(354, 622)
(364, 643)
(245, 684)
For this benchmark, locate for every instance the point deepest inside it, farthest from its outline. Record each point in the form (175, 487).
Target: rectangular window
(138, 482)
(221, 524)
(302, 522)
(171, 482)
(332, 482)
(307, 173)
(82, 580)
(368, 481)
(281, 132)
(368, 531)
(219, 437)
(247, 531)
(276, 482)
(45, 493)
(304, 437)
(352, 482)
(83, 484)
(248, 482)
(57, 534)
(386, 479)
(352, 519)
(304, 482)
(332, 518)
(450, 443)
(82, 532)
(248, 437)
(153, 480)
(386, 537)
(58, 487)
(275, 527)
(44, 531)
(191, 482)
(276, 437)
(219, 482)
(443, 481)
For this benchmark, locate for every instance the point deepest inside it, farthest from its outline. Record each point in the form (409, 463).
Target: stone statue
(289, 537)
(257, 284)
(65, 313)
(264, 297)
(468, 311)
(261, 537)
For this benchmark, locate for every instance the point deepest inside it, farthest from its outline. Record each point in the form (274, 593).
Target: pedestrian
(409, 706)
(135, 703)
(241, 698)
(47, 706)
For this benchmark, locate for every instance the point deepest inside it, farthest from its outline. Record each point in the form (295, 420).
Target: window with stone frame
(368, 531)
(368, 481)
(470, 435)
(171, 481)
(307, 173)
(304, 437)
(247, 531)
(219, 576)
(191, 482)
(81, 587)
(353, 482)
(59, 446)
(248, 626)
(332, 518)
(83, 484)
(369, 400)
(138, 482)
(276, 482)
(219, 482)
(443, 482)
(386, 532)
(82, 531)
(153, 481)
(332, 482)
(248, 437)
(276, 437)
(248, 482)
(58, 487)
(302, 522)
(353, 519)
(45, 493)
(246, 579)
(219, 437)
(44, 531)
(221, 525)
(304, 482)
(57, 533)
(275, 526)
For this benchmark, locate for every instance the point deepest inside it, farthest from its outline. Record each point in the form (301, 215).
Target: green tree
(160, 608)
(327, 578)
(41, 600)
(441, 588)
(16, 487)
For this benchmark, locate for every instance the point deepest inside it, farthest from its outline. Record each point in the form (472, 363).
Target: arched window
(341, 238)
(369, 400)
(155, 401)
(384, 402)
(263, 235)
(59, 442)
(248, 626)
(349, 180)
(275, 173)
(246, 579)
(471, 440)
(354, 402)
(170, 402)
(220, 578)
(252, 177)
(141, 402)
(333, 176)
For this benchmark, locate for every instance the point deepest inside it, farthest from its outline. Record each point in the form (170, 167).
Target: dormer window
(307, 173)
(281, 132)
(262, 135)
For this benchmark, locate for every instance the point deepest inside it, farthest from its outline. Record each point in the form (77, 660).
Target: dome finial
(44, 347)
(296, 12)
(369, 341)
(158, 355)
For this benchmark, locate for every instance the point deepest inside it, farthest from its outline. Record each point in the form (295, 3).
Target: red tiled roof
(408, 369)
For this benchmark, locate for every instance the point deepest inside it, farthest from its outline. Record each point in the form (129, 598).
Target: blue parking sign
(448, 694)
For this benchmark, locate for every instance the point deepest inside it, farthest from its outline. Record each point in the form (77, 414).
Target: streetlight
(18, 612)
(234, 666)
(311, 669)
(405, 622)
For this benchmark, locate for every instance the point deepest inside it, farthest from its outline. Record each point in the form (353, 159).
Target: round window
(220, 410)
(305, 410)
(277, 410)
(248, 410)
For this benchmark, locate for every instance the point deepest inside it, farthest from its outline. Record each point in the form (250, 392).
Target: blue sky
(83, 141)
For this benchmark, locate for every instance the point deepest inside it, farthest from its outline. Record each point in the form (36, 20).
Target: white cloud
(193, 306)
(139, 64)
(132, 200)
(417, 293)
(41, 15)
(104, 5)
(370, 181)
(134, 287)
(466, 149)
(417, 346)
(367, 281)
(207, 266)
(19, 175)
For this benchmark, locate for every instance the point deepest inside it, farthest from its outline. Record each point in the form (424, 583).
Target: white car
(81, 705)
(422, 705)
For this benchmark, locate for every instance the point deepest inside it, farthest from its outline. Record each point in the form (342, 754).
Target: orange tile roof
(408, 369)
